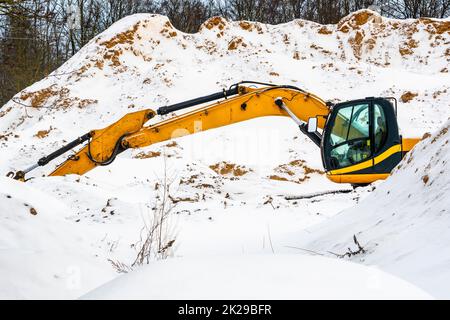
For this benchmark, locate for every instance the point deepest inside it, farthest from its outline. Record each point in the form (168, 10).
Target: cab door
(387, 151)
(349, 140)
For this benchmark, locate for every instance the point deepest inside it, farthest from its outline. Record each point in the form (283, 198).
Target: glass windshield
(349, 139)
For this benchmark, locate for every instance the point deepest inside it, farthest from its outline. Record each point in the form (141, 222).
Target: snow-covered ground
(407, 232)
(259, 277)
(63, 247)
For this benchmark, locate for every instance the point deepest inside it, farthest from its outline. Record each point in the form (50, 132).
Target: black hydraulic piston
(190, 103)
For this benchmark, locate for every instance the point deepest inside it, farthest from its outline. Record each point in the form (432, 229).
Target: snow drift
(42, 255)
(407, 231)
(257, 277)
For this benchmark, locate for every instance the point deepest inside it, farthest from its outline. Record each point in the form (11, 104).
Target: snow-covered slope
(257, 277)
(42, 255)
(407, 231)
(228, 201)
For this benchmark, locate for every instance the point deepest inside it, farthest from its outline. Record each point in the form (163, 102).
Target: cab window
(350, 138)
(380, 128)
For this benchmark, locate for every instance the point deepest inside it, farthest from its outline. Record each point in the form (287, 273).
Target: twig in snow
(350, 252)
(270, 201)
(318, 194)
(270, 238)
(306, 250)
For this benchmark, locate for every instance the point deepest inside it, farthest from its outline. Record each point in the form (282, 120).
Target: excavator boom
(248, 103)
(245, 101)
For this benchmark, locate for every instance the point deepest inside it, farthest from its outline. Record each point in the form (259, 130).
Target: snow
(42, 255)
(83, 222)
(249, 277)
(406, 234)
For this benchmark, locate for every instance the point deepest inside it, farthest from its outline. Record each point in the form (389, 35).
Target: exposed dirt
(187, 199)
(83, 103)
(173, 144)
(354, 21)
(43, 133)
(147, 155)
(5, 136)
(218, 22)
(126, 37)
(168, 30)
(325, 30)
(113, 56)
(251, 26)
(438, 93)
(191, 180)
(295, 171)
(278, 178)
(59, 98)
(40, 97)
(356, 43)
(197, 181)
(99, 64)
(440, 134)
(408, 96)
(440, 27)
(4, 112)
(236, 43)
(227, 169)
(408, 47)
(405, 51)
(246, 25)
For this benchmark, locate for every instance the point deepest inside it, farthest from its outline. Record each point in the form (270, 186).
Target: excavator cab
(361, 141)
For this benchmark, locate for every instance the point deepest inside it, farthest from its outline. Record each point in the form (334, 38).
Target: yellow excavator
(359, 140)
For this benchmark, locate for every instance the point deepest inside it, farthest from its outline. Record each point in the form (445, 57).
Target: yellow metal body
(103, 143)
(345, 175)
(131, 132)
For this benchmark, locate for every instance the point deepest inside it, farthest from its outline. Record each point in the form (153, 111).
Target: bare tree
(404, 9)
(37, 36)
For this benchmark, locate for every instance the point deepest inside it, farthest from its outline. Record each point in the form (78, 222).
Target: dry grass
(157, 237)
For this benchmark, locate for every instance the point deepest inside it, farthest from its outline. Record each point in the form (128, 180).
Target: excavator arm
(239, 103)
